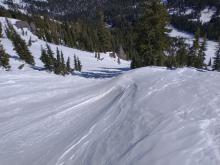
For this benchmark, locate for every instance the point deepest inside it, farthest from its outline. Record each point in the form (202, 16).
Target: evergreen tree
(171, 53)
(79, 65)
(103, 34)
(75, 63)
(216, 63)
(4, 58)
(68, 67)
(171, 62)
(64, 69)
(51, 60)
(45, 58)
(151, 35)
(29, 42)
(210, 62)
(1, 30)
(58, 63)
(119, 61)
(201, 54)
(182, 53)
(22, 32)
(98, 56)
(194, 51)
(20, 45)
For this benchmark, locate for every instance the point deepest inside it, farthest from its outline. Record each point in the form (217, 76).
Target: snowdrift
(146, 116)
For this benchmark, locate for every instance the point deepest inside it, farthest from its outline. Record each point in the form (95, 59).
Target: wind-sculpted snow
(149, 116)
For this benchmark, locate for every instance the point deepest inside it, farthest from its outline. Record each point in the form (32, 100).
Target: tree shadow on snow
(104, 73)
(38, 68)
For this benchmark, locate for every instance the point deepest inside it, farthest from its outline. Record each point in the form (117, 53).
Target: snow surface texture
(149, 116)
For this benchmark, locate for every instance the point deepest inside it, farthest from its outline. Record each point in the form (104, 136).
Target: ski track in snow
(147, 116)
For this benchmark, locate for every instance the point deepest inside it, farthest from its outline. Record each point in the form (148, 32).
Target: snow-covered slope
(210, 48)
(146, 116)
(203, 16)
(207, 14)
(106, 67)
(21, 5)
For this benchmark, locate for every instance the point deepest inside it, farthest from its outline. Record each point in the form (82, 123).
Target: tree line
(4, 57)
(145, 40)
(155, 47)
(20, 45)
(57, 64)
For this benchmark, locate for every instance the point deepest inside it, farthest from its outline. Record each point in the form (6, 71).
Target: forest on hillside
(139, 28)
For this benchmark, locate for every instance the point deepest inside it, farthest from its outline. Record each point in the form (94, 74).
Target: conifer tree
(171, 62)
(45, 58)
(99, 56)
(216, 63)
(194, 51)
(29, 42)
(103, 34)
(201, 54)
(1, 30)
(22, 32)
(182, 53)
(64, 69)
(119, 61)
(51, 60)
(20, 45)
(79, 65)
(4, 58)
(75, 63)
(68, 67)
(171, 53)
(210, 62)
(151, 35)
(58, 64)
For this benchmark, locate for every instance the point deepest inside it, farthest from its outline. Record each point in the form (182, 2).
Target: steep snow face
(146, 116)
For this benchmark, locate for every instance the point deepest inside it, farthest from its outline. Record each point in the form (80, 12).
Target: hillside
(190, 14)
(161, 107)
(90, 64)
(74, 8)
